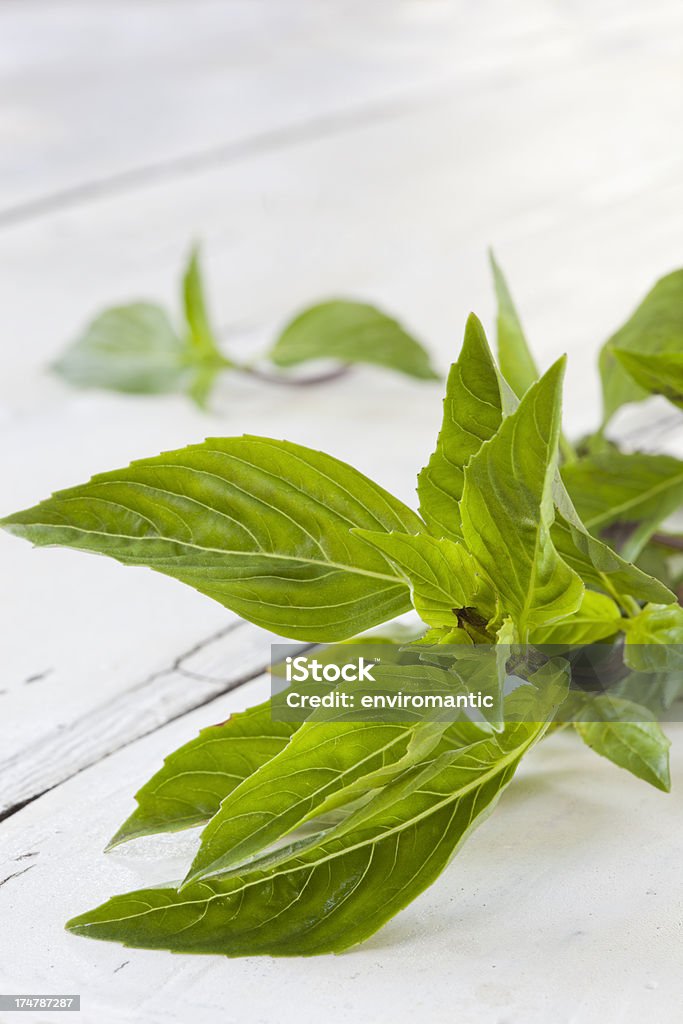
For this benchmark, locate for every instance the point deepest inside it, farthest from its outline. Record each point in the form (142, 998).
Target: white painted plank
(107, 94)
(33, 762)
(564, 906)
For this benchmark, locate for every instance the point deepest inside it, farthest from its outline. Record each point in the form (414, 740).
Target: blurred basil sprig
(138, 349)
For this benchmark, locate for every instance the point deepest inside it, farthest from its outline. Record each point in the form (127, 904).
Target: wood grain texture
(215, 665)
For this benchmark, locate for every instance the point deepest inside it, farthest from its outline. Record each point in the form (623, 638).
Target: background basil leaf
(135, 348)
(637, 489)
(645, 356)
(620, 731)
(507, 511)
(202, 343)
(654, 639)
(618, 387)
(659, 373)
(593, 559)
(262, 526)
(128, 348)
(662, 557)
(351, 332)
(201, 336)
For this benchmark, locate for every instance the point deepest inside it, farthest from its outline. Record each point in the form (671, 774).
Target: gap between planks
(319, 127)
(193, 679)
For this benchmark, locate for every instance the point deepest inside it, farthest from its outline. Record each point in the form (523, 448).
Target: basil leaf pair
(136, 349)
(329, 891)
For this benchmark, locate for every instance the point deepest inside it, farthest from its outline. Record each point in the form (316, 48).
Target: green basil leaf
(202, 343)
(476, 400)
(637, 489)
(201, 336)
(507, 511)
(262, 526)
(621, 732)
(658, 560)
(618, 387)
(351, 332)
(472, 412)
(334, 890)
(654, 639)
(596, 618)
(514, 355)
(188, 790)
(478, 666)
(128, 348)
(656, 690)
(442, 575)
(325, 765)
(659, 373)
(646, 355)
(136, 349)
(594, 561)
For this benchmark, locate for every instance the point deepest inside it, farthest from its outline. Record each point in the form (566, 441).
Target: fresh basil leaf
(618, 387)
(620, 731)
(188, 790)
(595, 562)
(507, 511)
(514, 355)
(615, 487)
(201, 336)
(596, 618)
(658, 561)
(472, 412)
(202, 382)
(477, 665)
(659, 373)
(657, 691)
(476, 400)
(351, 332)
(136, 349)
(646, 355)
(335, 889)
(654, 639)
(261, 526)
(202, 343)
(128, 348)
(324, 765)
(443, 576)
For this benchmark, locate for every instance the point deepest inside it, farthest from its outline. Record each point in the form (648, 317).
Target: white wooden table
(317, 148)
